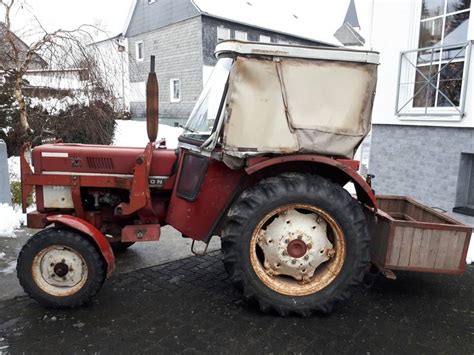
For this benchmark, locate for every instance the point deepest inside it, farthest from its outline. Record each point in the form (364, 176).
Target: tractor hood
(79, 159)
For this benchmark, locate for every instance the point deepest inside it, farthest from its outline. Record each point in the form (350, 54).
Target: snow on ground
(11, 218)
(470, 253)
(10, 269)
(133, 134)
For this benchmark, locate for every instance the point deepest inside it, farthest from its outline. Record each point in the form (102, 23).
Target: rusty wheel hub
(299, 257)
(297, 248)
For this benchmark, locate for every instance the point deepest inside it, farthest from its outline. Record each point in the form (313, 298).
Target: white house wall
(395, 29)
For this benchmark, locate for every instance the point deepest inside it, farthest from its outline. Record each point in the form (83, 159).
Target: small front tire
(60, 268)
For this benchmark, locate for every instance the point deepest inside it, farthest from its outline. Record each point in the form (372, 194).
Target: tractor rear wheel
(60, 268)
(295, 243)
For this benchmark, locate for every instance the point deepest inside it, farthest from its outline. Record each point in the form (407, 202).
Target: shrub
(15, 188)
(79, 123)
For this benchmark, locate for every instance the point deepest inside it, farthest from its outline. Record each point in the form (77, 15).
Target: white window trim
(448, 114)
(265, 36)
(137, 43)
(227, 30)
(172, 98)
(243, 32)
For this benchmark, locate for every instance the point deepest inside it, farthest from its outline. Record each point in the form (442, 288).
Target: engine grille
(100, 163)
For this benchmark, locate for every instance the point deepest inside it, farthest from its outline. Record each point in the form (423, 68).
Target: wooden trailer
(406, 235)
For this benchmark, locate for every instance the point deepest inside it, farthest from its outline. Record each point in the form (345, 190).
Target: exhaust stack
(152, 92)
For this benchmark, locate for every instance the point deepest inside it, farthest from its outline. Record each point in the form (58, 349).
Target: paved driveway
(189, 306)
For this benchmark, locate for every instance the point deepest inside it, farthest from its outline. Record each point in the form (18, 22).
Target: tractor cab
(273, 99)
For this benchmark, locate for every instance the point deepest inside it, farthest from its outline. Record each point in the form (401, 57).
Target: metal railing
(432, 58)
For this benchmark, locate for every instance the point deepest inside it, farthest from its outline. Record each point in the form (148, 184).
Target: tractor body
(277, 121)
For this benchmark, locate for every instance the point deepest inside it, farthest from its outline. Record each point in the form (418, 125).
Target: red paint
(101, 159)
(140, 196)
(195, 219)
(141, 233)
(90, 230)
(364, 191)
(36, 220)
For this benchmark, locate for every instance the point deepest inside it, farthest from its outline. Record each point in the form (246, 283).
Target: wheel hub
(297, 248)
(295, 244)
(59, 270)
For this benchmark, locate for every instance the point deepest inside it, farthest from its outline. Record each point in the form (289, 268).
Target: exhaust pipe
(152, 92)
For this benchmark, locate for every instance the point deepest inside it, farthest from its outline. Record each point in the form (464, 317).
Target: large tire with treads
(61, 268)
(279, 229)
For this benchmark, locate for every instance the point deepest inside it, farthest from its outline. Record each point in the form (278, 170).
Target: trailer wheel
(296, 243)
(60, 268)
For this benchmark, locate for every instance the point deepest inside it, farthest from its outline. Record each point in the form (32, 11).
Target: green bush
(15, 188)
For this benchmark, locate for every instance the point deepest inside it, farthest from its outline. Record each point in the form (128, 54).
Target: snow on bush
(14, 168)
(54, 105)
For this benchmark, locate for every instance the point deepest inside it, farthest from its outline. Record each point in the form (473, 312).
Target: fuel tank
(99, 159)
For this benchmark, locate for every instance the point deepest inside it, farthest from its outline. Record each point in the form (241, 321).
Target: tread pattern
(235, 238)
(61, 236)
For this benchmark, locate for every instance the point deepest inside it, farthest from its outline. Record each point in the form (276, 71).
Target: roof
(351, 15)
(276, 16)
(294, 18)
(288, 50)
(23, 46)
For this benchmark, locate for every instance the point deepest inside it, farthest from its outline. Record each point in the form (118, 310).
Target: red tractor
(262, 163)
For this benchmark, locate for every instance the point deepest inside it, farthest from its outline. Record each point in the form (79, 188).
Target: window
(434, 84)
(139, 55)
(223, 34)
(241, 35)
(281, 41)
(175, 90)
(265, 39)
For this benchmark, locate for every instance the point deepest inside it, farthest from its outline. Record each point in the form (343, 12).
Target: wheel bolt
(293, 261)
(306, 257)
(287, 241)
(300, 237)
(52, 264)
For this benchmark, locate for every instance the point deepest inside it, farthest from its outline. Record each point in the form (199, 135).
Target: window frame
(408, 75)
(222, 28)
(172, 92)
(137, 51)
(241, 32)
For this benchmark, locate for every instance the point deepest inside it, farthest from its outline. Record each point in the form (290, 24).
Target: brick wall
(428, 163)
(178, 51)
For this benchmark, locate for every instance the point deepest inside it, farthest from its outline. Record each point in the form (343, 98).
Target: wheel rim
(59, 270)
(297, 249)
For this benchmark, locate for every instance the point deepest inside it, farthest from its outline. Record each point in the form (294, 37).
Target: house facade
(423, 119)
(182, 34)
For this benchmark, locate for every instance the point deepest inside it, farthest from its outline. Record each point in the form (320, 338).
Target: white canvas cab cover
(291, 99)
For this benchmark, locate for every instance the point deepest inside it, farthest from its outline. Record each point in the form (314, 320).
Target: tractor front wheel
(60, 268)
(295, 243)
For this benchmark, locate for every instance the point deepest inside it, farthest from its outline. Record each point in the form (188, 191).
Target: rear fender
(340, 171)
(88, 229)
